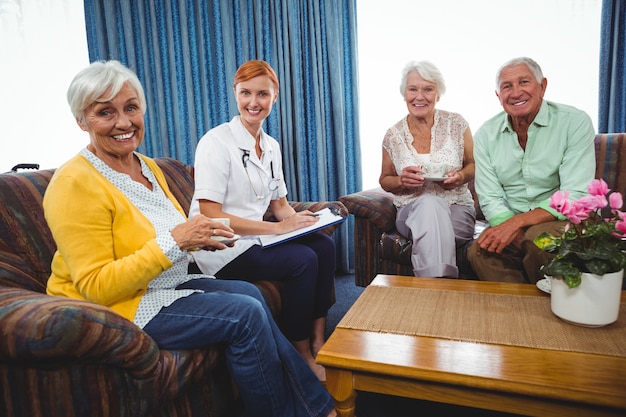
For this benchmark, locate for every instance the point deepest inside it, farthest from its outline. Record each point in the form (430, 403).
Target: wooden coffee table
(511, 379)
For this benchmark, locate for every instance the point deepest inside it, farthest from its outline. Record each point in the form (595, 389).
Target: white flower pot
(595, 302)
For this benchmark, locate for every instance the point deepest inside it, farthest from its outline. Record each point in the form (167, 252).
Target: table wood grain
(511, 379)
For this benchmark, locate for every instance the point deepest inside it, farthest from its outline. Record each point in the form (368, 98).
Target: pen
(314, 214)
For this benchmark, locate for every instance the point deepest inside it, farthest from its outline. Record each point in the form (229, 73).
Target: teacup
(224, 220)
(435, 169)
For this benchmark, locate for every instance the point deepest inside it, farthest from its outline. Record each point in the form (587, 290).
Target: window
(43, 45)
(468, 41)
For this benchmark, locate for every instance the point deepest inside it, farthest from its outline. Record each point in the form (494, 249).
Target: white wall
(43, 44)
(468, 40)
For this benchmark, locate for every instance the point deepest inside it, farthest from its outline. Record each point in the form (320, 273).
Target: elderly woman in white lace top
(435, 211)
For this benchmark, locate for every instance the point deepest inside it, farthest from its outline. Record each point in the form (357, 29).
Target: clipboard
(326, 218)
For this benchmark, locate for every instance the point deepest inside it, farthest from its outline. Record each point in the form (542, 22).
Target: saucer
(545, 285)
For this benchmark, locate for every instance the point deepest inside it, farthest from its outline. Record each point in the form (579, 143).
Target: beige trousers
(513, 264)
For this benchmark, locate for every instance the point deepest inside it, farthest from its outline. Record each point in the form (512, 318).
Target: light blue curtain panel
(186, 53)
(612, 100)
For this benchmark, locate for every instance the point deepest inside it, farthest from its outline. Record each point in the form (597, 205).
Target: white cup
(435, 169)
(224, 220)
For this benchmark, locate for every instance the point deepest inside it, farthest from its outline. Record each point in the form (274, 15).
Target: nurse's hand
(296, 221)
(197, 234)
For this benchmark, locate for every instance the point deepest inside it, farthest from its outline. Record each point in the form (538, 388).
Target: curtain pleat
(612, 100)
(186, 52)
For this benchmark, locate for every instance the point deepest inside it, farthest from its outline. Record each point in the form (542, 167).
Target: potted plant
(587, 265)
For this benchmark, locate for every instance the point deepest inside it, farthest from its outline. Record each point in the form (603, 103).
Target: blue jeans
(271, 376)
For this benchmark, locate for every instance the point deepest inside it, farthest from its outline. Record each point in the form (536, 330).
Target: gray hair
(530, 63)
(98, 78)
(427, 71)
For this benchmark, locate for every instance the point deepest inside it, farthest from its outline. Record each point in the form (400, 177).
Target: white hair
(530, 63)
(427, 71)
(98, 78)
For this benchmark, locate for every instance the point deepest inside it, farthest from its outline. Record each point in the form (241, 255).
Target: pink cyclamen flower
(621, 226)
(559, 201)
(615, 200)
(598, 187)
(593, 202)
(577, 212)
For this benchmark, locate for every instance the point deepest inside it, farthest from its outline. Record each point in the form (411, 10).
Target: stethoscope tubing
(273, 183)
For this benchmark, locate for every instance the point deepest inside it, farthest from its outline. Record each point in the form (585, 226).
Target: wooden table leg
(339, 383)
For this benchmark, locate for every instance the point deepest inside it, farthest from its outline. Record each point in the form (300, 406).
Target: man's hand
(495, 239)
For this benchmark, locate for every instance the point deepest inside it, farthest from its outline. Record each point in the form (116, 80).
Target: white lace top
(446, 146)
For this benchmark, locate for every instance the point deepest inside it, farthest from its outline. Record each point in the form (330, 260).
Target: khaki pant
(513, 264)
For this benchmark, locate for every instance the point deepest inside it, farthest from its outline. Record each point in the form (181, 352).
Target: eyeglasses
(273, 182)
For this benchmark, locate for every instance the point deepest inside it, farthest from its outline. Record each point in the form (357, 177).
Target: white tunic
(228, 171)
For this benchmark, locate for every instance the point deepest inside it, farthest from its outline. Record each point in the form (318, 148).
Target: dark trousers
(306, 266)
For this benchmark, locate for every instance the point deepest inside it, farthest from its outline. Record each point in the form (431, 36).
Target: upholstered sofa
(61, 357)
(380, 249)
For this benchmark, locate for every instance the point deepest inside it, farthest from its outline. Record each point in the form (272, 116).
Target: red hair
(255, 68)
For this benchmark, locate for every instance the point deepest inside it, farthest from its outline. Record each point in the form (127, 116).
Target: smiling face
(116, 127)
(255, 98)
(420, 96)
(520, 93)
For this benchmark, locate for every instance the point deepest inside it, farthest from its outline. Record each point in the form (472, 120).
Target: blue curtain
(612, 102)
(186, 53)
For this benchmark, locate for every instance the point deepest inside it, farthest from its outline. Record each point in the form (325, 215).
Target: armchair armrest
(48, 331)
(374, 205)
(374, 213)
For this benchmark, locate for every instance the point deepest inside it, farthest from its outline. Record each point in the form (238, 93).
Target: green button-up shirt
(559, 155)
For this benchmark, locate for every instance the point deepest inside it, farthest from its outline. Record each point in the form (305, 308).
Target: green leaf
(598, 266)
(573, 281)
(547, 242)
(563, 269)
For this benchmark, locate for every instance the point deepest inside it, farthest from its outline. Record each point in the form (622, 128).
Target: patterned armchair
(380, 249)
(61, 357)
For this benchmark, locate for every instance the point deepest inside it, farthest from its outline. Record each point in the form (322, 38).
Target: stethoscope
(273, 182)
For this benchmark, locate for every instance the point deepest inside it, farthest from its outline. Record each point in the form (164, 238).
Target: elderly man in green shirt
(523, 155)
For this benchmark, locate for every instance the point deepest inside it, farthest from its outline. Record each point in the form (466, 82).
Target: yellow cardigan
(106, 248)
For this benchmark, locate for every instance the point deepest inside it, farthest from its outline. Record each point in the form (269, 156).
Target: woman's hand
(296, 221)
(411, 177)
(197, 233)
(454, 179)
